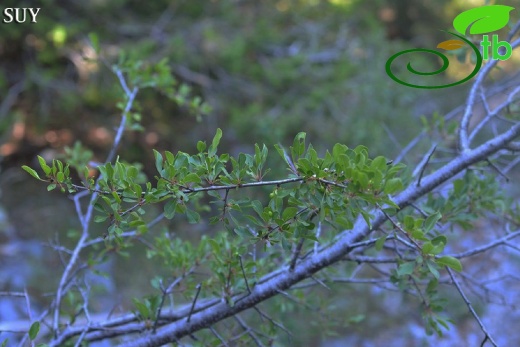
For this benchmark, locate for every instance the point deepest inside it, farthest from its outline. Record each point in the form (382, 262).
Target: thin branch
(422, 165)
(198, 287)
(218, 336)
(88, 215)
(244, 274)
(486, 247)
(296, 253)
(248, 330)
(277, 324)
(470, 307)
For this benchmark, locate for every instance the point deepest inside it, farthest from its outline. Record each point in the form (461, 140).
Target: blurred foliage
(269, 70)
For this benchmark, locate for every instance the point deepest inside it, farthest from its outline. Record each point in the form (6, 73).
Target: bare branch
(470, 307)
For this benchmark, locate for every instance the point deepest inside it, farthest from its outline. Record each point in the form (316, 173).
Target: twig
(470, 307)
(296, 254)
(244, 273)
(422, 165)
(194, 301)
(218, 336)
(279, 325)
(486, 247)
(498, 170)
(88, 215)
(248, 330)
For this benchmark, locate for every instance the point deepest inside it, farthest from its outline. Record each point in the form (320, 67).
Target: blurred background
(269, 69)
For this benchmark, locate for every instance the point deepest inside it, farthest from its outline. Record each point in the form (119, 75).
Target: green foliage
(34, 330)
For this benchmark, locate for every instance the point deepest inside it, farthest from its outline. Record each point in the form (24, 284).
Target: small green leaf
(452, 262)
(379, 163)
(158, 161)
(193, 217)
(142, 308)
(60, 177)
(440, 240)
(257, 206)
(406, 268)
(393, 185)
(43, 165)
(433, 269)
(169, 156)
(214, 144)
(289, 213)
(51, 187)
(99, 219)
(192, 178)
(427, 247)
(201, 146)
(169, 208)
(429, 223)
(380, 242)
(34, 330)
(483, 19)
(31, 172)
(298, 147)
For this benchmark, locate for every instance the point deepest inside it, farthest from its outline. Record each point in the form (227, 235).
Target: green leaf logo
(483, 19)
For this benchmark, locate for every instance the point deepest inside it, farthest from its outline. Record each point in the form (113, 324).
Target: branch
(470, 307)
(283, 280)
(85, 219)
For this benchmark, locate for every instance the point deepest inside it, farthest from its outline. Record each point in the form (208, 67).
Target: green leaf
(34, 330)
(31, 172)
(169, 156)
(380, 242)
(193, 217)
(60, 177)
(158, 161)
(169, 208)
(132, 172)
(427, 247)
(433, 269)
(142, 308)
(201, 146)
(51, 187)
(214, 144)
(257, 206)
(440, 240)
(99, 219)
(43, 165)
(192, 178)
(379, 164)
(429, 223)
(483, 19)
(289, 213)
(393, 185)
(452, 262)
(406, 268)
(298, 147)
